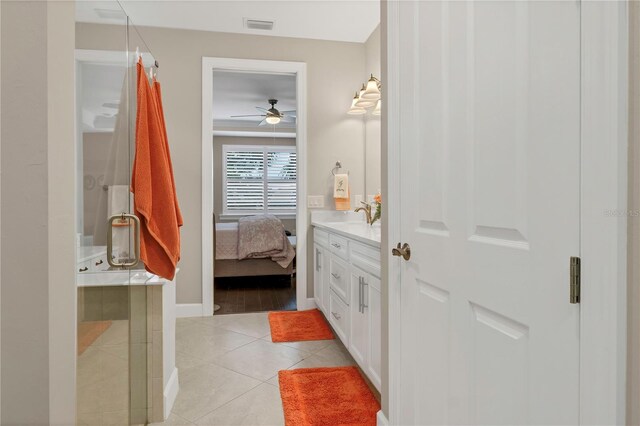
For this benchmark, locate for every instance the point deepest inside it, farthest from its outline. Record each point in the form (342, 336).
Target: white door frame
(300, 70)
(603, 313)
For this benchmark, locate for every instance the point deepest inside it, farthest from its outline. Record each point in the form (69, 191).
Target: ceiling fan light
(272, 119)
(372, 91)
(378, 109)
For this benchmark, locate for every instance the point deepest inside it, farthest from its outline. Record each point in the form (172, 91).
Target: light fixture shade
(356, 110)
(372, 91)
(378, 109)
(364, 103)
(273, 119)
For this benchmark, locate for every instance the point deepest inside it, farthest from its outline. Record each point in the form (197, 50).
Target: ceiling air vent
(258, 24)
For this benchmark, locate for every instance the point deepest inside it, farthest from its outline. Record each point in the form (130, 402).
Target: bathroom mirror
(372, 151)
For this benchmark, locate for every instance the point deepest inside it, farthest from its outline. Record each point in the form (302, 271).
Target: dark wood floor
(238, 295)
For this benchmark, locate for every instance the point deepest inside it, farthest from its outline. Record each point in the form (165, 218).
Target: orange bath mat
(296, 326)
(88, 332)
(326, 396)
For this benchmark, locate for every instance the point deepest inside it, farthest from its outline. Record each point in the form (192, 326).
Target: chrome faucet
(367, 211)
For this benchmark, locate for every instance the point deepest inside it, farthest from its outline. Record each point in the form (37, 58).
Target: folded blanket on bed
(263, 236)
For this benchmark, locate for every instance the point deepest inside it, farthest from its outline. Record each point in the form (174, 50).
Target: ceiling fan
(272, 115)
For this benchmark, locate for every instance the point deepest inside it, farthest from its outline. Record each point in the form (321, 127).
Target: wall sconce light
(355, 109)
(368, 97)
(378, 109)
(372, 91)
(362, 102)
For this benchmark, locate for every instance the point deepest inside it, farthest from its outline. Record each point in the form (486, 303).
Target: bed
(226, 263)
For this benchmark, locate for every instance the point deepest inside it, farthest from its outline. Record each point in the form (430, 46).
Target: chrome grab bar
(136, 240)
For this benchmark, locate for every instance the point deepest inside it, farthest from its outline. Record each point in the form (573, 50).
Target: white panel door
(489, 137)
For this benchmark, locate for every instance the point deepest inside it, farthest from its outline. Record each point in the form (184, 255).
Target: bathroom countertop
(119, 278)
(356, 230)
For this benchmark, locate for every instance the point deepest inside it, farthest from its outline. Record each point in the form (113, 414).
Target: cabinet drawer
(365, 257)
(339, 317)
(339, 278)
(321, 237)
(339, 246)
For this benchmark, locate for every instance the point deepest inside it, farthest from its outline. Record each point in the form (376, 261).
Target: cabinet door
(372, 301)
(325, 275)
(318, 277)
(358, 344)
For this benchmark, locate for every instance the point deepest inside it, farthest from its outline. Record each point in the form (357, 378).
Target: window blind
(259, 179)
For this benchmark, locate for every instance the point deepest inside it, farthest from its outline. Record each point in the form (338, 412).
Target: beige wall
(372, 122)
(37, 207)
(218, 141)
(334, 69)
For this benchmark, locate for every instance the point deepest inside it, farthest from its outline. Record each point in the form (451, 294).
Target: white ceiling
(346, 20)
(239, 93)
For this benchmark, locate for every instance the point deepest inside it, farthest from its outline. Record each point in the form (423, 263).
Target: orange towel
(158, 98)
(344, 204)
(153, 187)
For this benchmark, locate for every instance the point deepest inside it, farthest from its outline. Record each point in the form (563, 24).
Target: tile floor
(228, 369)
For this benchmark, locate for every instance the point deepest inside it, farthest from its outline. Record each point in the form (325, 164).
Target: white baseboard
(170, 393)
(381, 419)
(309, 303)
(186, 310)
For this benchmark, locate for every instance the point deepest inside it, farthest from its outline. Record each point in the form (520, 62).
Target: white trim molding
(299, 69)
(603, 313)
(188, 310)
(381, 420)
(170, 393)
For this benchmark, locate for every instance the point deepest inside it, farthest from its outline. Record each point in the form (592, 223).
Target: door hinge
(574, 280)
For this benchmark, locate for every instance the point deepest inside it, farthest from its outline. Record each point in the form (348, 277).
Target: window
(259, 179)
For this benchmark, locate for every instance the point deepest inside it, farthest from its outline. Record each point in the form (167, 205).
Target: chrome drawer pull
(336, 276)
(336, 315)
(100, 262)
(336, 245)
(85, 269)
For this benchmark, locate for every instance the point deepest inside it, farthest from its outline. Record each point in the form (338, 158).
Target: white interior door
(489, 133)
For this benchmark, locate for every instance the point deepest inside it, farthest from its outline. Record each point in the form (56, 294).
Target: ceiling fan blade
(263, 122)
(291, 113)
(262, 109)
(288, 119)
(254, 115)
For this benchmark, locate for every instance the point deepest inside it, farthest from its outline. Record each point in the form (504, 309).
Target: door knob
(403, 250)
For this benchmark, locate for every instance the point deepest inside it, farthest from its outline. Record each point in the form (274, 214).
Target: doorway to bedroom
(254, 170)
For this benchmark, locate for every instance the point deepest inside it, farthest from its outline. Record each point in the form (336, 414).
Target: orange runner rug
(88, 332)
(296, 326)
(326, 396)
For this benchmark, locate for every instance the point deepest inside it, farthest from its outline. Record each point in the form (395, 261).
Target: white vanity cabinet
(347, 290)
(321, 270)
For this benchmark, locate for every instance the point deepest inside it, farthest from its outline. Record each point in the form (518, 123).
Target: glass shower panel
(112, 344)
